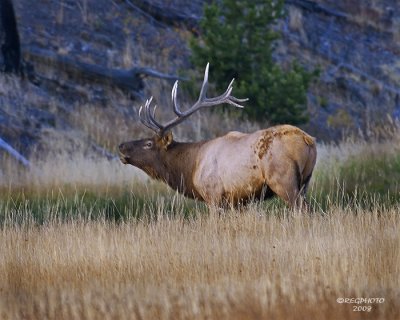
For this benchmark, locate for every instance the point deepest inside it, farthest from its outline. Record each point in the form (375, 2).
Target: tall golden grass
(234, 265)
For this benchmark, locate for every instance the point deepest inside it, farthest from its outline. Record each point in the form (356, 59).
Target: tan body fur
(237, 166)
(231, 169)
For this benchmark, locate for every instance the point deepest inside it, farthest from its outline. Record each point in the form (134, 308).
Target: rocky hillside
(69, 44)
(355, 44)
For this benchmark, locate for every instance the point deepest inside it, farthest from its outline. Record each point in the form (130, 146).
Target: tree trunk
(10, 54)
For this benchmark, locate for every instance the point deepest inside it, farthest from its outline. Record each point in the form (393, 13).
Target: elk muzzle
(122, 153)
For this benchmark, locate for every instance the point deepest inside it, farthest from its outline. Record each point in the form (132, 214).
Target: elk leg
(301, 201)
(285, 184)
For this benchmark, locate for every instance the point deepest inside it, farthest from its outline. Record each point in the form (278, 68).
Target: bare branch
(14, 153)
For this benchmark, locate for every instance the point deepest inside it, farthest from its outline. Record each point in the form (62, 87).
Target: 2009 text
(362, 308)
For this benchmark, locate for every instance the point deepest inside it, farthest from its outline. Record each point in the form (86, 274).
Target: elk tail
(306, 173)
(310, 141)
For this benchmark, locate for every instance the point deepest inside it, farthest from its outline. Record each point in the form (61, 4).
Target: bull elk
(231, 169)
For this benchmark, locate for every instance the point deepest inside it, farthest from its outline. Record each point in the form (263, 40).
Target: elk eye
(148, 144)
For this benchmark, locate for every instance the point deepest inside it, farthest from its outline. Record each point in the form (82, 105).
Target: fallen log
(313, 6)
(164, 14)
(128, 80)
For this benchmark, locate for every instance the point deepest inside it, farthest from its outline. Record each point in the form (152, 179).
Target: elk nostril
(121, 147)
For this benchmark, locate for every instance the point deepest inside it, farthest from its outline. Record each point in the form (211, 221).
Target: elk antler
(148, 117)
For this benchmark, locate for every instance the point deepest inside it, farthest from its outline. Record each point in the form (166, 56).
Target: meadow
(84, 237)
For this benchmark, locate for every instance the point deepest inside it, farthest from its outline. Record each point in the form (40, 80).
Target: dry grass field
(86, 239)
(238, 265)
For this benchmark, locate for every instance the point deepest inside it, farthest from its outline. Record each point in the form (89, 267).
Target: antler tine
(154, 111)
(143, 118)
(151, 117)
(226, 98)
(226, 94)
(202, 97)
(174, 93)
(203, 90)
(147, 119)
(234, 99)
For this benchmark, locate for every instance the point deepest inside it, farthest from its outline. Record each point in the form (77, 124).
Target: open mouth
(123, 158)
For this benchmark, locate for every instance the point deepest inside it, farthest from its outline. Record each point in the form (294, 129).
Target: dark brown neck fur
(179, 166)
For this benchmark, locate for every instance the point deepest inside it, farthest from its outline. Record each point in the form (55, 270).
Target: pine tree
(237, 38)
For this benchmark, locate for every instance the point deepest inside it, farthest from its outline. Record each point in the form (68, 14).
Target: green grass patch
(349, 176)
(68, 203)
(367, 179)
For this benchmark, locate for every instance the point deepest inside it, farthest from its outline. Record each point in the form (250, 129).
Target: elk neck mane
(180, 162)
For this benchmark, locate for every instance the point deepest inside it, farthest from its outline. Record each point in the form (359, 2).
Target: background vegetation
(238, 39)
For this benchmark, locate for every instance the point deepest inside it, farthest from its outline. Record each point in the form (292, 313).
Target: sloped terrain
(354, 44)
(108, 35)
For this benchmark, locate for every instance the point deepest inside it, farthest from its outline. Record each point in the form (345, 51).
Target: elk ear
(167, 139)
